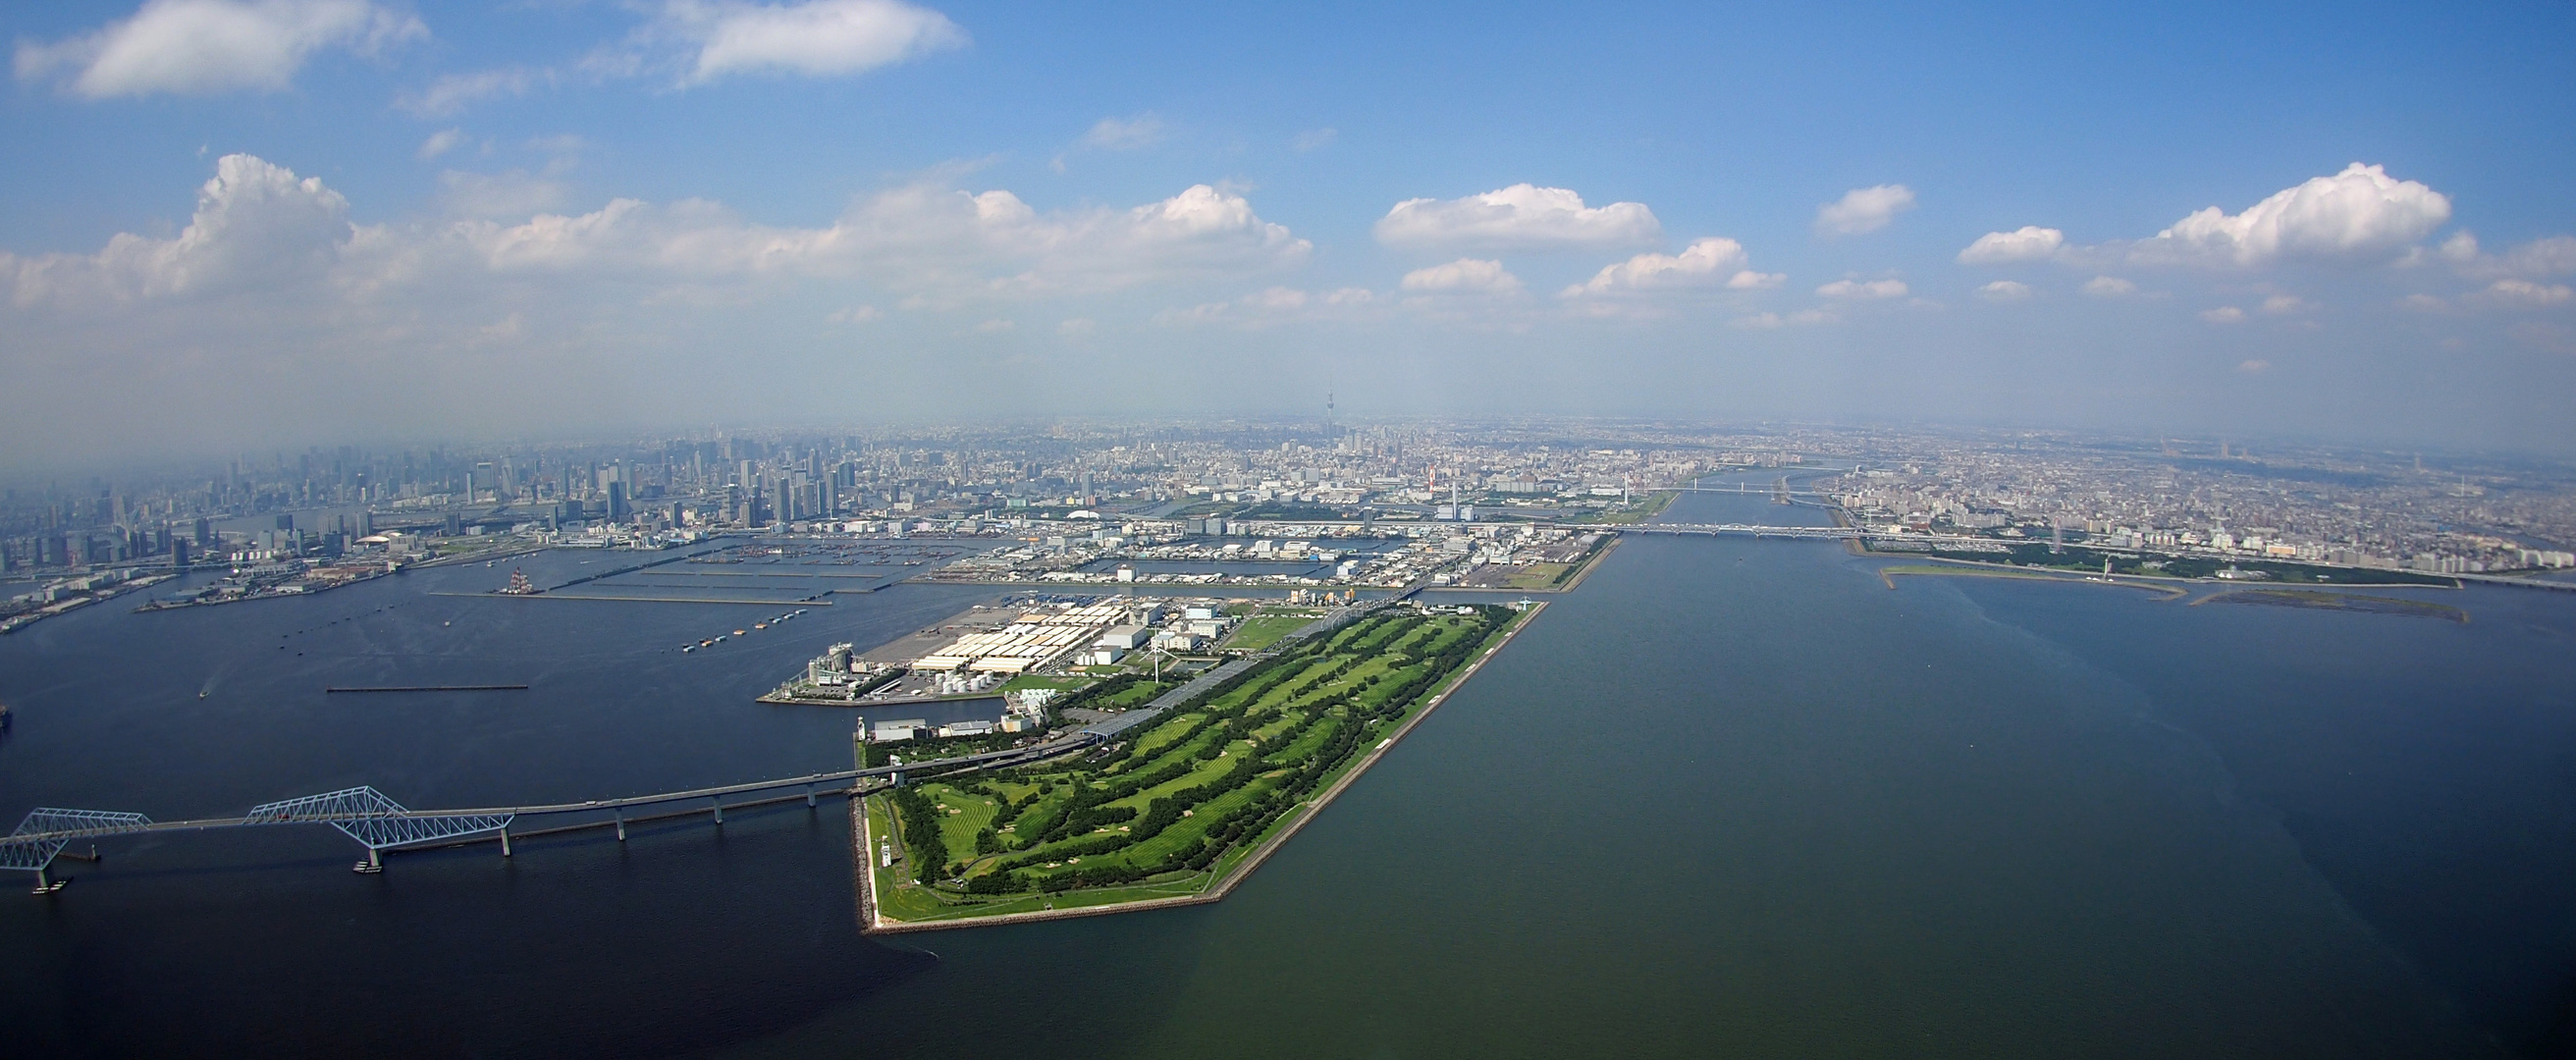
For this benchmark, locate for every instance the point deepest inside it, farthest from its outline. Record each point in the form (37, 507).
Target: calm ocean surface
(1730, 797)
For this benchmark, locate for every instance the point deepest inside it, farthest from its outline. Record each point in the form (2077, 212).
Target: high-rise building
(618, 512)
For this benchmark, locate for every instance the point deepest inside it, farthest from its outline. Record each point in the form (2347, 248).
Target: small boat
(365, 869)
(51, 886)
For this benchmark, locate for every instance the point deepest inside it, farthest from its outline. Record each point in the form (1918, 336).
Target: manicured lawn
(965, 815)
(1262, 631)
(1161, 735)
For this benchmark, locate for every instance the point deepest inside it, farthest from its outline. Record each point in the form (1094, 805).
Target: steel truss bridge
(381, 824)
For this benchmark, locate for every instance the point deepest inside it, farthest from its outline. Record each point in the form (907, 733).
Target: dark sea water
(1731, 797)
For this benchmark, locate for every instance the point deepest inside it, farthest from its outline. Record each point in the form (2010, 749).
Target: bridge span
(381, 824)
(1827, 533)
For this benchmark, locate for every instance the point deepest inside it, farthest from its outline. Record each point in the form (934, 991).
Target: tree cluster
(920, 818)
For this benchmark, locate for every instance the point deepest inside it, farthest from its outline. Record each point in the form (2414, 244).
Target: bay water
(1729, 797)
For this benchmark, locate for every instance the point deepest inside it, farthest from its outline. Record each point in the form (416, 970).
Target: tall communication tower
(1331, 430)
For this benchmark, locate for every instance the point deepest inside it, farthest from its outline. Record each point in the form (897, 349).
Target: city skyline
(304, 222)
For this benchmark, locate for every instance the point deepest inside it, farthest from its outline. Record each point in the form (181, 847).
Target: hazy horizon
(239, 226)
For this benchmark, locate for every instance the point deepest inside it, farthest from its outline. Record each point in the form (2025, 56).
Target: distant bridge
(1827, 533)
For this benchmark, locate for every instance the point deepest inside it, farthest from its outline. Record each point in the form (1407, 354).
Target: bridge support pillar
(374, 861)
(42, 884)
(505, 840)
(718, 802)
(621, 824)
(809, 796)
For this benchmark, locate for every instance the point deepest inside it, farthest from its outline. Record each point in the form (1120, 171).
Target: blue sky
(294, 221)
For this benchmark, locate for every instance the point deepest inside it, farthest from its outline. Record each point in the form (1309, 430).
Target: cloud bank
(1463, 276)
(2360, 216)
(1711, 262)
(1522, 217)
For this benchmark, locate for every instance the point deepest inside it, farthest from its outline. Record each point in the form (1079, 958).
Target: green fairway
(1262, 631)
(1176, 806)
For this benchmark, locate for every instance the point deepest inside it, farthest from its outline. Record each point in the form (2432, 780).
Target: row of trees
(921, 836)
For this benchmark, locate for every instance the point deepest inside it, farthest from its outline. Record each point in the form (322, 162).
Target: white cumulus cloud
(1863, 289)
(198, 47)
(2004, 291)
(2287, 304)
(270, 303)
(1520, 217)
(1463, 276)
(1863, 210)
(2109, 287)
(1708, 262)
(259, 226)
(256, 224)
(818, 38)
(2226, 314)
(2359, 215)
(2027, 243)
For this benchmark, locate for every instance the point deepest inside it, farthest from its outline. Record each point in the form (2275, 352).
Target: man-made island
(1179, 808)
